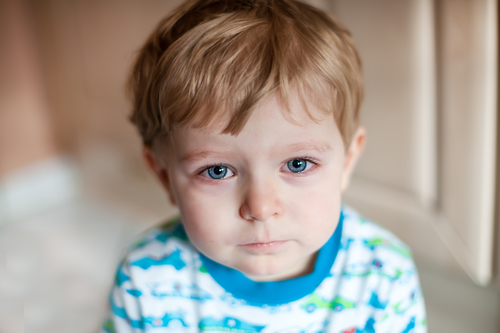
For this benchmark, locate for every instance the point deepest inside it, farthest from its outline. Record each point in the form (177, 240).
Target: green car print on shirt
(108, 326)
(316, 302)
(203, 269)
(363, 270)
(372, 243)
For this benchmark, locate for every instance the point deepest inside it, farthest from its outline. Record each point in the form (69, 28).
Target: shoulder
(153, 269)
(366, 239)
(358, 226)
(162, 246)
(373, 254)
(379, 263)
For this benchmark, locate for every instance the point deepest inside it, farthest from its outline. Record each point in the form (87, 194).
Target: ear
(352, 155)
(159, 169)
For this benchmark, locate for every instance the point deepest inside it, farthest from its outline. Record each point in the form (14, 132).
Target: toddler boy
(248, 110)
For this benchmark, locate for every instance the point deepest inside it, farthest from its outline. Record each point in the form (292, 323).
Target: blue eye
(218, 172)
(297, 165)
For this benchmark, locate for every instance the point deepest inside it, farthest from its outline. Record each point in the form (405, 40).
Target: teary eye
(217, 172)
(298, 165)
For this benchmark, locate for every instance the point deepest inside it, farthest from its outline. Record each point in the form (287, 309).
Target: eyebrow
(197, 155)
(320, 147)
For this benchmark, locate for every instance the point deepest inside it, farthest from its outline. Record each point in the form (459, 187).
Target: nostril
(260, 211)
(260, 200)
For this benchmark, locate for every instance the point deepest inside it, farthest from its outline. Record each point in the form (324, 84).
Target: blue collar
(277, 292)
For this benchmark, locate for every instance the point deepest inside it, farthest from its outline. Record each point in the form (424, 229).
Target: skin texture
(235, 220)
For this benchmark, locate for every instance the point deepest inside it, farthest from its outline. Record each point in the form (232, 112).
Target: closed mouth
(265, 247)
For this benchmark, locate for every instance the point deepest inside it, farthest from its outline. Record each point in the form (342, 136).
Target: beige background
(63, 65)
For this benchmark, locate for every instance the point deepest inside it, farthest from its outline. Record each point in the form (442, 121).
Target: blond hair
(213, 61)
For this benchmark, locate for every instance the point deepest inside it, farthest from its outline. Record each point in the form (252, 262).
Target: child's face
(264, 201)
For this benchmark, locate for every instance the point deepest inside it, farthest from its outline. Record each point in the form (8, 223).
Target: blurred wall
(64, 65)
(87, 49)
(26, 129)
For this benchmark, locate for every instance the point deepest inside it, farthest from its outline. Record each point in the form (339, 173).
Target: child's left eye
(299, 165)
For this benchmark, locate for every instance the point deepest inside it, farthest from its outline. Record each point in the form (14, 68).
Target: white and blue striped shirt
(364, 280)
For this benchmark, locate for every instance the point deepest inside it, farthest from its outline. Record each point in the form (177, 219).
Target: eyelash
(308, 159)
(206, 168)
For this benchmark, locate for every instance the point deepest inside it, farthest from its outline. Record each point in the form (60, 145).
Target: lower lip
(263, 247)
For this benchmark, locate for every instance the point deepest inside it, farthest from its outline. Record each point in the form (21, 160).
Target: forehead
(298, 106)
(270, 130)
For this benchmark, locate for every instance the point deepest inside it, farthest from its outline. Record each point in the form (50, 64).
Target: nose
(260, 202)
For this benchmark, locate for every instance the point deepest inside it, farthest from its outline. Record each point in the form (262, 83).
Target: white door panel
(428, 172)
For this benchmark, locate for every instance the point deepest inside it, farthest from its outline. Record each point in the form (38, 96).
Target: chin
(267, 271)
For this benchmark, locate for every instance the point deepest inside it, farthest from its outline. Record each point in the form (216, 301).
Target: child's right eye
(217, 172)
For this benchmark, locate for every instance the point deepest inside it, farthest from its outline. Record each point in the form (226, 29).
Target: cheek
(206, 218)
(318, 208)
(324, 191)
